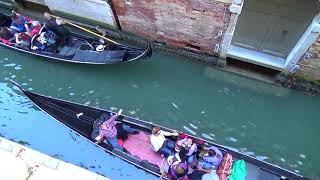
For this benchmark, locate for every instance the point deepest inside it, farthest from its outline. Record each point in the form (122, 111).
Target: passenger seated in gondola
(203, 174)
(110, 131)
(56, 26)
(210, 158)
(5, 21)
(160, 143)
(186, 149)
(33, 27)
(22, 39)
(178, 171)
(18, 22)
(44, 41)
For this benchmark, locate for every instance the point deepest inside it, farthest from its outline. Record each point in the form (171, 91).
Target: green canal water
(274, 124)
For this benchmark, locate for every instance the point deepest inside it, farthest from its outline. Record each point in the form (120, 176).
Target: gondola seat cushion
(99, 57)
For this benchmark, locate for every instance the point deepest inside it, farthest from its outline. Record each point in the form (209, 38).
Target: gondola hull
(80, 118)
(89, 57)
(79, 49)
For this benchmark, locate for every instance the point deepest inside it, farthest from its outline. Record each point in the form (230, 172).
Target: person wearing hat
(56, 26)
(160, 143)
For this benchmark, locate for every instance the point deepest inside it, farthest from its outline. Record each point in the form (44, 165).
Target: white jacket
(157, 141)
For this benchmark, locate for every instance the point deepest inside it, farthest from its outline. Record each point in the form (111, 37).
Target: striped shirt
(108, 129)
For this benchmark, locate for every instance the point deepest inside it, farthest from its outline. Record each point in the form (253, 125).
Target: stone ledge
(20, 162)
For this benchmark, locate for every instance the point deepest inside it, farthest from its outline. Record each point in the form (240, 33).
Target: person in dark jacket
(56, 26)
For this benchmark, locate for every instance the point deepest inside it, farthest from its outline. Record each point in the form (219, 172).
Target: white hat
(100, 48)
(35, 23)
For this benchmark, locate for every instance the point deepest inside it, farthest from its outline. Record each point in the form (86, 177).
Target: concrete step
(21, 162)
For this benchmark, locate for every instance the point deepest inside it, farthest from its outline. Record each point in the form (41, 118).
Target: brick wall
(198, 25)
(310, 62)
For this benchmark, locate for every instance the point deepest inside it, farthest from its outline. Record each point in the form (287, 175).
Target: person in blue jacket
(18, 23)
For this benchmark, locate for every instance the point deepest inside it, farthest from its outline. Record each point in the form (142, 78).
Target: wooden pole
(86, 30)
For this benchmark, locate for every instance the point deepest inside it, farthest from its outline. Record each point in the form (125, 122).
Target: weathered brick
(194, 24)
(310, 63)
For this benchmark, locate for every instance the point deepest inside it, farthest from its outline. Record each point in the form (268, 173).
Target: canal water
(274, 124)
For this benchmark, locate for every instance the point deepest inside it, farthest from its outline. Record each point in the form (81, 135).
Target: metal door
(273, 26)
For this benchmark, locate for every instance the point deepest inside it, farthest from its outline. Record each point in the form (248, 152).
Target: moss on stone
(301, 77)
(306, 78)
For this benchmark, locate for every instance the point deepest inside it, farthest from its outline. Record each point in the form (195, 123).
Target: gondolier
(56, 26)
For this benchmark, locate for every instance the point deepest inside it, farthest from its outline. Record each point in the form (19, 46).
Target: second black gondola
(82, 49)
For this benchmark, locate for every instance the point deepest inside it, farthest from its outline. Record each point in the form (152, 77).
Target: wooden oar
(84, 29)
(161, 170)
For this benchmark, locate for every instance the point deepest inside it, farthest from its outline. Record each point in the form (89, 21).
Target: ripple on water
(232, 139)
(302, 156)
(134, 86)
(9, 65)
(174, 105)
(17, 68)
(193, 126)
(207, 136)
(90, 92)
(113, 108)
(189, 130)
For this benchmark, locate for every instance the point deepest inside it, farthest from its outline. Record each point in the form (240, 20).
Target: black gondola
(80, 118)
(82, 49)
